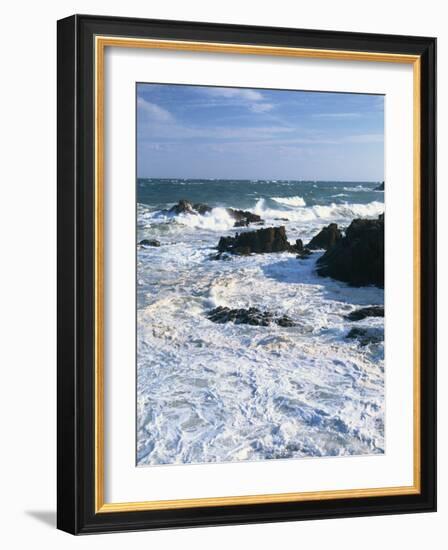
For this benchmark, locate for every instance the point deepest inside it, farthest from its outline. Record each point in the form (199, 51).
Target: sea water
(210, 392)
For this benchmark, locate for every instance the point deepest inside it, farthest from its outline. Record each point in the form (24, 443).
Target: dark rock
(241, 223)
(242, 251)
(149, 242)
(202, 208)
(182, 207)
(380, 187)
(302, 251)
(357, 258)
(243, 217)
(270, 239)
(365, 336)
(303, 254)
(250, 316)
(284, 321)
(299, 245)
(221, 256)
(326, 238)
(359, 314)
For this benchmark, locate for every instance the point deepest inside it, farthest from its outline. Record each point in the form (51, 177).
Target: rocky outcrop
(357, 258)
(380, 187)
(360, 314)
(270, 239)
(201, 208)
(366, 336)
(149, 242)
(182, 207)
(326, 238)
(250, 316)
(242, 217)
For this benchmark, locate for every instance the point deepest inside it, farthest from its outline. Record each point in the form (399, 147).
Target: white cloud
(261, 107)
(235, 93)
(153, 111)
(251, 99)
(336, 115)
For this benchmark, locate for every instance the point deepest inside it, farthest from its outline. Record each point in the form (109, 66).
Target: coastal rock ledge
(269, 239)
(357, 258)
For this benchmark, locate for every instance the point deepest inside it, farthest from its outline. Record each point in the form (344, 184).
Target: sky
(247, 133)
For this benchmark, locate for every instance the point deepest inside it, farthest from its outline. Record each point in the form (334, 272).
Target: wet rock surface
(249, 316)
(326, 238)
(269, 239)
(359, 314)
(149, 242)
(365, 336)
(243, 217)
(357, 258)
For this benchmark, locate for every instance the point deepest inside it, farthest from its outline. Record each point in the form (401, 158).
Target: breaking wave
(289, 201)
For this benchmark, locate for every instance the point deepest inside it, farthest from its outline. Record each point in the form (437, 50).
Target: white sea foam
(332, 211)
(290, 201)
(357, 188)
(208, 392)
(217, 220)
(214, 393)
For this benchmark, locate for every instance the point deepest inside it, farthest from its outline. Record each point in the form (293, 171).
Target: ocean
(209, 392)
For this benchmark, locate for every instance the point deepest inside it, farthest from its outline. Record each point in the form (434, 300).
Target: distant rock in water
(269, 239)
(380, 187)
(149, 242)
(357, 258)
(326, 238)
(359, 314)
(250, 316)
(366, 336)
(242, 217)
(182, 207)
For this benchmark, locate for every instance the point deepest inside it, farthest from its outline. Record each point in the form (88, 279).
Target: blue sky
(246, 133)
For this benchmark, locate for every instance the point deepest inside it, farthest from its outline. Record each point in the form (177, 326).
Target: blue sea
(210, 392)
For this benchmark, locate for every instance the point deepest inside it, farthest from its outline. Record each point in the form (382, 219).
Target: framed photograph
(246, 274)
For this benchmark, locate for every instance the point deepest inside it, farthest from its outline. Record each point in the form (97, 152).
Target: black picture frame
(76, 256)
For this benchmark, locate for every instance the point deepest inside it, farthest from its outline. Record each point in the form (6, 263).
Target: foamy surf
(209, 392)
(289, 201)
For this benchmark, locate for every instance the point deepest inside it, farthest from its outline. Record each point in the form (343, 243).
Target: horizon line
(263, 179)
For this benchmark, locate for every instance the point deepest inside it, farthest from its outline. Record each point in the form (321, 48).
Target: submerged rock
(359, 314)
(365, 336)
(326, 238)
(357, 258)
(250, 316)
(149, 242)
(270, 239)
